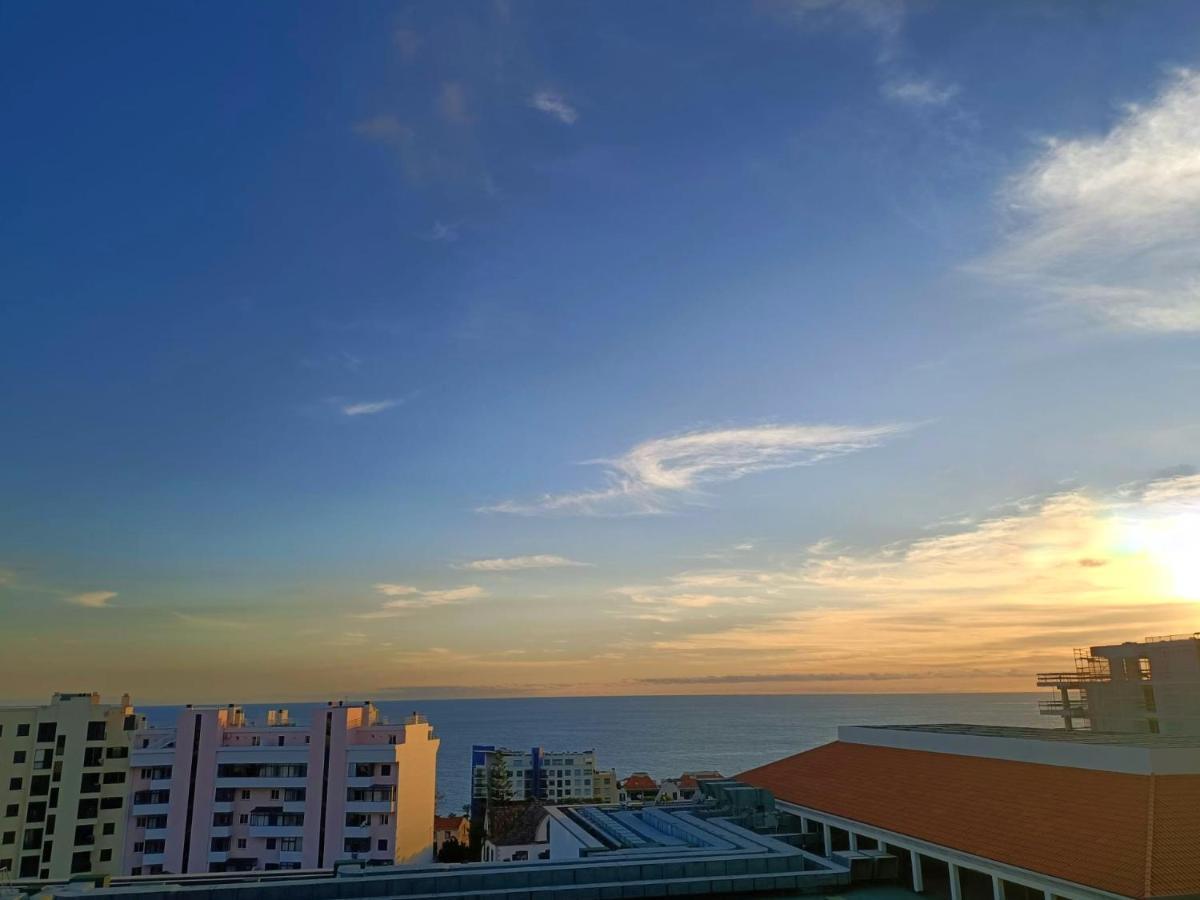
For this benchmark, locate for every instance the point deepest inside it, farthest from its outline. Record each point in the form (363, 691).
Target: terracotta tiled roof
(447, 823)
(639, 781)
(1135, 835)
(689, 781)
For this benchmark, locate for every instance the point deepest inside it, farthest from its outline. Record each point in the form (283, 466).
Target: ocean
(665, 735)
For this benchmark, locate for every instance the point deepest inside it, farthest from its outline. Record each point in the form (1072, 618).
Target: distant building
(1148, 687)
(450, 828)
(684, 788)
(217, 793)
(979, 812)
(64, 771)
(517, 833)
(548, 776)
(638, 788)
(604, 786)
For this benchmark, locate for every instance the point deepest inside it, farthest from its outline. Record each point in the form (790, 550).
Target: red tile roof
(639, 781)
(447, 823)
(1135, 835)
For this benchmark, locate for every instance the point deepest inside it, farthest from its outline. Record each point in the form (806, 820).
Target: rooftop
(1128, 833)
(1149, 741)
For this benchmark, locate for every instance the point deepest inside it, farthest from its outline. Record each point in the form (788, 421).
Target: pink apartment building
(217, 793)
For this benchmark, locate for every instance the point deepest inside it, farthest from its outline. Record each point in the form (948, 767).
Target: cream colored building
(604, 786)
(64, 771)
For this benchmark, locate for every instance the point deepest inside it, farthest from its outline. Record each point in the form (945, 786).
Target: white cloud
(368, 408)
(1108, 225)
(92, 599)
(554, 104)
(441, 231)
(919, 91)
(514, 563)
(452, 104)
(645, 479)
(406, 598)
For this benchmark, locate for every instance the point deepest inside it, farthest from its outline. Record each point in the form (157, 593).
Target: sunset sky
(510, 348)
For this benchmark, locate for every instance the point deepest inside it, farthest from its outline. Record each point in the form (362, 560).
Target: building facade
(64, 772)
(217, 793)
(1146, 687)
(548, 776)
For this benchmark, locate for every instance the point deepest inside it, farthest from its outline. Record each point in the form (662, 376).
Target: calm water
(668, 735)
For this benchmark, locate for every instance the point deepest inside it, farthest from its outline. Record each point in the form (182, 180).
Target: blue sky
(333, 335)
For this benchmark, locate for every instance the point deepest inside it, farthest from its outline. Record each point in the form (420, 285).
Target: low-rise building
(447, 829)
(638, 788)
(517, 833)
(64, 771)
(218, 793)
(990, 813)
(604, 786)
(684, 788)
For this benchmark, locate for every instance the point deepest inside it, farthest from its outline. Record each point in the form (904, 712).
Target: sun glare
(1172, 544)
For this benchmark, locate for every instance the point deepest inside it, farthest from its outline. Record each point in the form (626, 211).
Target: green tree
(499, 781)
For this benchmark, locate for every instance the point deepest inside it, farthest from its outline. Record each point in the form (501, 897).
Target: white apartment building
(217, 793)
(63, 779)
(551, 776)
(1151, 686)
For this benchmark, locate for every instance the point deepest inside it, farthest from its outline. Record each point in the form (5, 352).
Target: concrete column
(918, 878)
(955, 883)
(828, 838)
(853, 841)
(804, 824)
(997, 888)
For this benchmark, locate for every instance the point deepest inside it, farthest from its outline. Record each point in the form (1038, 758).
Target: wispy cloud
(443, 232)
(452, 103)
(554, 104)
(516, 563)
(919, 91)
(92, 599)
(368, 408)
(1108, 225)
(217, 622)
(406, 599)
(1016, 588)
(644, 479)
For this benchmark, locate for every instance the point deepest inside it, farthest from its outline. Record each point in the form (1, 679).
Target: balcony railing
(1058, 708)
(1067, 679)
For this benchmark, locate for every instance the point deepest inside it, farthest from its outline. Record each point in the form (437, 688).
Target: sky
(522, 348)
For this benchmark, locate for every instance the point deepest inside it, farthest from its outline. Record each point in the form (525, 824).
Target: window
(35, 812)
(221, 844)
(384, 818)
(281, 740)
(12, 810)
(136, 870)
(254, 741)
(105, 855)
(109, 828)
(14, 784)
(382, 844)
(290, 844)
(360, 770)
(222, 819)
(357, 845)
(224, 795)
(97, 731)
(138, 846)
(116, 752)
(93, 756)
(243, 818)
(271, 843)
(294, 795)
(9, 837)
(23, 730)
(385, 770)
(274, 795)
(39, 785)
(114, 777)
(89, 783)
(33, 839)
(245, 795)
(18, 757)
(241, 844)
(49, 825)
(112, 802)
(85, 835)
(81, 862)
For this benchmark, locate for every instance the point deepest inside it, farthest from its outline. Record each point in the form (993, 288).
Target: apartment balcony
(370, 806)
(153, 859)
(244, 784)
(156, 834)
(223, 806)
(276, 831)
(294, 806)
(1071, 679)
(291, 856)
(364, 832)
(216, 831)
(150, 809)
(159, 784)
(215, 856)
